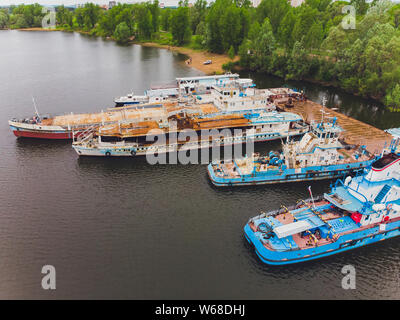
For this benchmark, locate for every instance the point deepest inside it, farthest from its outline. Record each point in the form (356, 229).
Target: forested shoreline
(307, 42)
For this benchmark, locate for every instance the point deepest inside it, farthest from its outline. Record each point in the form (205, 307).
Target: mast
(323, 109)
(34, 105)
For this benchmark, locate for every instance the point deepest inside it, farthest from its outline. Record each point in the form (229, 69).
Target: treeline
(305, 42)
(310, 43)
(22, 16)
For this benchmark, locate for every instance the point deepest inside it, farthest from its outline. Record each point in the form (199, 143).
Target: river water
(121, 228)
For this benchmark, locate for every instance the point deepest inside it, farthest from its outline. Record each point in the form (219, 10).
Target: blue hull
(344, 243)
(289, 175)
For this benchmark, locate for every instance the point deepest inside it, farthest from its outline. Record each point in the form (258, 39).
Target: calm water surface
(120, 228)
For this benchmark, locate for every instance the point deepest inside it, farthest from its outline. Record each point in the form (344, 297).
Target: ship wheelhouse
(385, 161)
(358, 211)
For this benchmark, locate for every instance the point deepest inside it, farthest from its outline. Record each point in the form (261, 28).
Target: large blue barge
(357, 212)
(318, 155)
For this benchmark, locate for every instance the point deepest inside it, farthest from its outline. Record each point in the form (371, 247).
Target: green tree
(274, 10)
(392, 98)
(394, 14)
(24, 16)
(213, 20)
(125, 14)
(227, 25)
(361, 6)
(122, 33)
(79, 15)
(91, 15)
(254, 31)
(231, 52)
(336, 41)
(145, 24)
(264, 46)
(3, 20)
(155, 14)
(197, 14)
(286, 28)
(298, 66)
(180, 25)
(320, 5)
(64, 16)
(201, 29)
(165, 15)
(231, 28)
(314, 36)
(305, 19)
(21, 22)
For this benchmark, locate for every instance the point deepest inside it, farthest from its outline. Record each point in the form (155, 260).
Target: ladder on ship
(81, 136)
(382, 193)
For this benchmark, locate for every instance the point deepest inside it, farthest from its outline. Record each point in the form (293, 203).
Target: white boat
(131, 99)
(318, 155)
(180, 87)
(232, 108)
(395, 132)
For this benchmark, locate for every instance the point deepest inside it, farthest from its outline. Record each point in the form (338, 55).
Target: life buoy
(385, 218)
(108, 153)
(133, 152)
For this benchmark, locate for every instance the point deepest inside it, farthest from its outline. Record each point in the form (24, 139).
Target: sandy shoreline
(37, 29)
(198, 57)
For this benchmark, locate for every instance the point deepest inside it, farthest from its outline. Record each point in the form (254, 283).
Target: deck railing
(81, 136)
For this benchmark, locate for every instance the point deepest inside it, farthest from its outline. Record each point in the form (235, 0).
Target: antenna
(312, 198)
(323, 109)
(34, 105)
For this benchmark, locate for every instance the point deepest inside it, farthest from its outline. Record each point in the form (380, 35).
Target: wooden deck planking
(356, 132)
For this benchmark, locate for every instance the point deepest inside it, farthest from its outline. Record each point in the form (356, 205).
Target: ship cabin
(320, 146)
(131, 99)
(326, 130)
(162, 94)
(370, 200)
(283, 95)
(373, 197)
(233, 98)
(203, 84)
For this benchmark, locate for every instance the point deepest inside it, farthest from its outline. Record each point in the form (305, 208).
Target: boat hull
(40, 132)
(127, 151)
(309, 174)
(344, 243)
(37, 131)
(43, 135)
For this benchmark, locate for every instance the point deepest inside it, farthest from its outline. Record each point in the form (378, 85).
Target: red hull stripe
(386, 166)
(43, 135)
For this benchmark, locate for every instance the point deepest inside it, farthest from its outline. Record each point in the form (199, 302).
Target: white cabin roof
(292, 228)
(223, 76)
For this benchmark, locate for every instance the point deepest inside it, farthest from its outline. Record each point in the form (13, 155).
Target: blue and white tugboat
(357, 211)
(318, 155)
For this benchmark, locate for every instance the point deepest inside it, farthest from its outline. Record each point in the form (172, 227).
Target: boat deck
(307, 241)
(356, 132)
(231, 170)
(121, 114)
(227, 169)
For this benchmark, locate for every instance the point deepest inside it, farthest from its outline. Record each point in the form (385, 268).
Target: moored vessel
(356, 212)
(63, 126)
(180, 87)
(133, 139)
(318, 155)
(244, 114)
